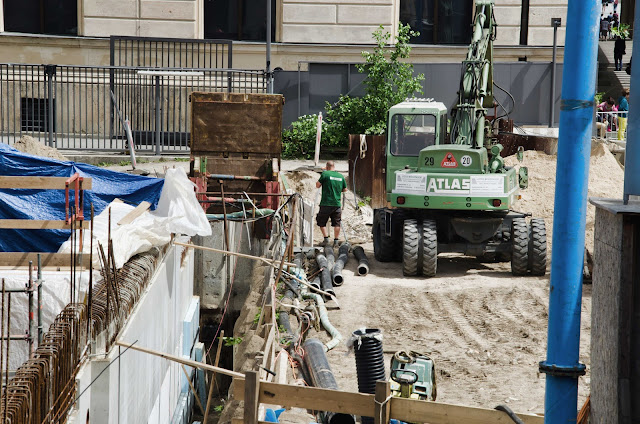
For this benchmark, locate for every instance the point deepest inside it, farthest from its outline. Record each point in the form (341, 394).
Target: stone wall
(337, 21)
(146, 18)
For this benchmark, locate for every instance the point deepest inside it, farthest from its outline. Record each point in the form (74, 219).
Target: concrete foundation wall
(214, 272)
(615, 326)
(138, 387)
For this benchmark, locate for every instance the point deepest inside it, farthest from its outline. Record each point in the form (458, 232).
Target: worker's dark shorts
(326, 212)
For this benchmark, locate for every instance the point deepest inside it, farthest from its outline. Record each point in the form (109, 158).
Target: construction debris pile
(606, 178)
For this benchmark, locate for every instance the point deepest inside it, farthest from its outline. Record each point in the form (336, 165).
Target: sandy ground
(485, 329)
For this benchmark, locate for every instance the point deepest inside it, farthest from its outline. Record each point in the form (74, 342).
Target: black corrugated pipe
(343, 258)
(291, 293)
(325, 274)
(367, 345)
(363, 262)
(322, 376)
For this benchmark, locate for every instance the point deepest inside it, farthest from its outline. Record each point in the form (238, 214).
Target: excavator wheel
(385, 248)
(410, 247)
(519, 247)
(429, 248)
(537, 247)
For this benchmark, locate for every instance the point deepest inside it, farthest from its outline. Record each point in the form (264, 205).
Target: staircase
(610, 81)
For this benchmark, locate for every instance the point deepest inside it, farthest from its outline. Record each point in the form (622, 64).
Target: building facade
(74, 31)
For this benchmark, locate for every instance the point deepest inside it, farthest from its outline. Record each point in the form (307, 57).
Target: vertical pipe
(562, 365)
(50, 104)
(269, 77)
(632, 151)
(31, 328)
(157, 127)
(40, 328)
(552, 100)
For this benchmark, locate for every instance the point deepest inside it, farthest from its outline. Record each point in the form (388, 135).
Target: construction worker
(333, 185)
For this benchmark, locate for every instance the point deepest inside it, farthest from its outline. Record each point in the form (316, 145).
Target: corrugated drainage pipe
(363, 262)
(343, 258)
(324, 319)
(367, 345)
(325, 274)
(322, 376)
(331, 257)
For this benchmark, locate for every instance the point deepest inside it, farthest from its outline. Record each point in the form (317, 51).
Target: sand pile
(354, 221)
(30, 145)
(606, 179)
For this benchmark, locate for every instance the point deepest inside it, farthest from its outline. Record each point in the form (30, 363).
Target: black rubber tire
(410, 247)
(519, 247)
(385, 248)
(429, 248)
(537, 247)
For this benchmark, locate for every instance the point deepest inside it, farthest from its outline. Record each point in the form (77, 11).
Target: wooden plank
(251, 397)
(139, 210)
(39, 183)
(39, 224)
(443, 413)
(48, 259)
(364, 405)
(310, 398)
(382, 413)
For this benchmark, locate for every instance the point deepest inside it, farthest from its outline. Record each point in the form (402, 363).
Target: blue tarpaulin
(50, 204)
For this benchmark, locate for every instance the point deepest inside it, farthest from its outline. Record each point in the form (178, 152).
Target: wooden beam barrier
(40, 224)
(20, 259)
(360, 404)
(39, 183)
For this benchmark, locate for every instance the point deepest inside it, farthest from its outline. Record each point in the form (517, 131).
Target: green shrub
(388, 82)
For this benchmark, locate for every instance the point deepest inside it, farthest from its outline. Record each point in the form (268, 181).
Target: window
(238, 20)
(412, 133)
(34, 114)
(59, 17)
(438, 21)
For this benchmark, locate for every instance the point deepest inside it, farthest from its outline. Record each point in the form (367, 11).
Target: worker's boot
(324, 242)
(336, 243)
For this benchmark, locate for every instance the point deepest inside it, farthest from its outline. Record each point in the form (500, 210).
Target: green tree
(389, 80)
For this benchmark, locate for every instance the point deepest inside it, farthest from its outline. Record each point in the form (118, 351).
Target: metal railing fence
(608, 126)
(71, 107)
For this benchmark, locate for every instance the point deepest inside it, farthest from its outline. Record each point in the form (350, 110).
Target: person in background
(333, 185)
(615, 5)
(619, 50)
(606, 121)
(623, 106)
(604, 27)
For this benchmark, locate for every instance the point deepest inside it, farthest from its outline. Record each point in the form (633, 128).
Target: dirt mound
(606, 179)
(354, 219)
(30, 145)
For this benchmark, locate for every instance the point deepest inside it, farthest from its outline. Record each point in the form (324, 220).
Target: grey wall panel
(528, 82)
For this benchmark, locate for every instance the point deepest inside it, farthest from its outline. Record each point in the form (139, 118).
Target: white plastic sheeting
(178, 212)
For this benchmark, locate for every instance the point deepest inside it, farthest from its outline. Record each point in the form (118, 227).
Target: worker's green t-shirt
(332, 185)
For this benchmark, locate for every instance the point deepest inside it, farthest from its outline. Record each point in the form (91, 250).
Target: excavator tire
(385, 248)
(410, 247)
(537, 247)
(519, 247)
(429, 248)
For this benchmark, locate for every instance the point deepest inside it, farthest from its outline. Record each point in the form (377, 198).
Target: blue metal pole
(632, 150)
(572, 175)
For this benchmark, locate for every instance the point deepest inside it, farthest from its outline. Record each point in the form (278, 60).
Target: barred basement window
(34, 114)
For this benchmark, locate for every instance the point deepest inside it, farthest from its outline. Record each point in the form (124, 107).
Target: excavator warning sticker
(449, 161)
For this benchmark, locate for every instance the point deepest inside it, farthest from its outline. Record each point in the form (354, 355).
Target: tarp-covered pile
(177, 208)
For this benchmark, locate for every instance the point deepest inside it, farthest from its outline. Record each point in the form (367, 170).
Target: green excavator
(447, 186)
